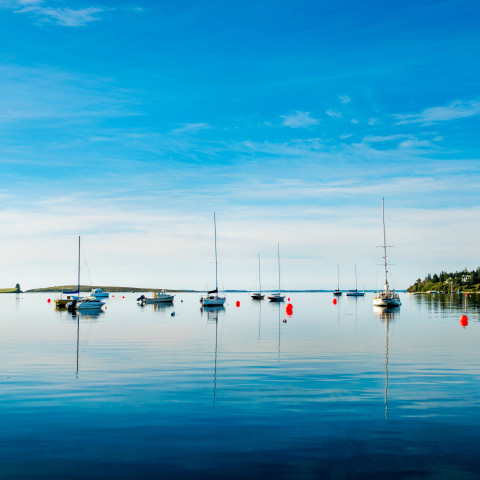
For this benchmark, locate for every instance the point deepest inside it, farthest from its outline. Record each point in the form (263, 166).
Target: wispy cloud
(67, 17)
(344, 99)
(191, 128)
(333, 113)
(457, 109)
(299, 120)
(386, 138)
(414, 143)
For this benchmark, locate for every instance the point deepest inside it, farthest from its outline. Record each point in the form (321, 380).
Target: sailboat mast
(338, 277)
(384, 244)
(259, 277)
(216, 263)
(278, 254)
(356, 288)
(78, 279)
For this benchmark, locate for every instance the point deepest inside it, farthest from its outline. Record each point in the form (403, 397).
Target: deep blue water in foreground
(336, 392)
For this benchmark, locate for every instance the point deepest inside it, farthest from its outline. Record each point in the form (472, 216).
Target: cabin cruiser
(161, 297)
(86, 303)
(99, 293)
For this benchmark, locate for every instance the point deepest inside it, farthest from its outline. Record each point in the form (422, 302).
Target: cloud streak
(456, 110)
(66, 17)
(299, 120)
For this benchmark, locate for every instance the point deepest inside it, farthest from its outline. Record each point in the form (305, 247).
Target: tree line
(449, 282)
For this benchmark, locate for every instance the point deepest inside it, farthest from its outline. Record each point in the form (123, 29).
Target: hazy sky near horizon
(129, 123)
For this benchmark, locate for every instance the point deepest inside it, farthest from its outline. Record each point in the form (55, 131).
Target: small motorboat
(99, 293)
(158, 297)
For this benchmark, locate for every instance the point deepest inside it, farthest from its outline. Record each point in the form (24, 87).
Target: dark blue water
(336, 392)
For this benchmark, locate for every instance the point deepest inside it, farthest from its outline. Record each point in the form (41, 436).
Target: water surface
(332, 391)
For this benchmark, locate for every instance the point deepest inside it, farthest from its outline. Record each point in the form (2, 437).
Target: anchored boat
(277, 297)
(387, 297)
(212, 299)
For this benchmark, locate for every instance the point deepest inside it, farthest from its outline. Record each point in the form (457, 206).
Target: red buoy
(288, 299)
(289, 309)
(48, 300)
(334, 301)
(464, 321)
(123, 296)
(237, 304)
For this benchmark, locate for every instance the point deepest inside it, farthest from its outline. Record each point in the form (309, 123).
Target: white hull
(386, 302)
(90, 305)
(212, 301)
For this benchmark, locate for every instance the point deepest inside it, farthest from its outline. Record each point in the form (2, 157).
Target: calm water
(335, 392)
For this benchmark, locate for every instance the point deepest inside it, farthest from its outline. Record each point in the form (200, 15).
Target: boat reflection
(86, 316)
(387, 315)
(162, 307)
(212, 313)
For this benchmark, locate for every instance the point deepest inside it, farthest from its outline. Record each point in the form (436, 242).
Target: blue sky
(130, 123)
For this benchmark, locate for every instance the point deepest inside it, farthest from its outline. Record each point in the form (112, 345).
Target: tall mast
(278, 254)
(259, 278)
(78, 282)
(356, 288)
(216, 265)
(338, 277)
(384, 244)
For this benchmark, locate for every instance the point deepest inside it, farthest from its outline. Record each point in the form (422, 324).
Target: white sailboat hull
(386, 301)
(90, 305)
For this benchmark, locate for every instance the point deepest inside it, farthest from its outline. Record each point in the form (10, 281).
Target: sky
(130, 123)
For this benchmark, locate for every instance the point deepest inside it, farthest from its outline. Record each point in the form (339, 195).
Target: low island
(11, 290)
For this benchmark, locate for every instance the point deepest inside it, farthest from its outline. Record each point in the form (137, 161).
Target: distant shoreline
(88, 288)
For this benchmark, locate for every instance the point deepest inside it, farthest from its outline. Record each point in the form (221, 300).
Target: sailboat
(277, 297)
(355, 293)
(212, 299)
(337, 292)
(387, 297)
(258, 295)
(63, 302)
(86, 303)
